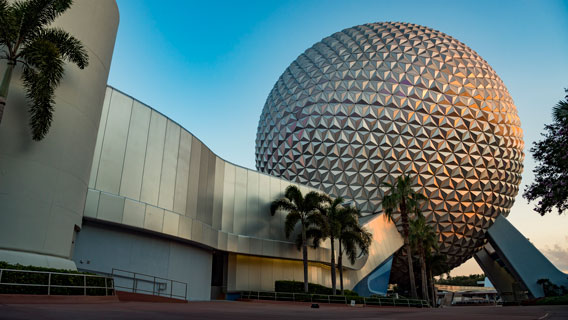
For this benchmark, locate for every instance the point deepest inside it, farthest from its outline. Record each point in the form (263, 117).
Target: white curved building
(117, 185)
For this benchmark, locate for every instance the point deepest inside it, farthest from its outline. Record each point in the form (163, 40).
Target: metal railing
(321, 298)
(141, 283)
(109, 283)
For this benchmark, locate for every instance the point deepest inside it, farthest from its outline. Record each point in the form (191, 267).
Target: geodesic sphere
(379, 100)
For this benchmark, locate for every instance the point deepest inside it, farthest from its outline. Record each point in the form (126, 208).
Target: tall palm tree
(423, 239)
(354, 240)
(331, 228)
(303, 210)
(26, 38)
(404, 200)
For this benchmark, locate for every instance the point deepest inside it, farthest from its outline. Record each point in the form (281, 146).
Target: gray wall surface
(150, 173)
(43, 184)
(102, 248)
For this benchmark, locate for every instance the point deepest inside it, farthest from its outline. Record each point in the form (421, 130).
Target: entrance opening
(219, 271)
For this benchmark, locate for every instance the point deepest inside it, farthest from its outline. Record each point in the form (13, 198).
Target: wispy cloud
(558, 255)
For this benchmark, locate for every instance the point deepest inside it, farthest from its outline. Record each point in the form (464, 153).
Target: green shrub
(73, 278)
(558, 300)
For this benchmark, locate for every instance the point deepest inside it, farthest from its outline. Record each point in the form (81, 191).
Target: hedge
(297, 286)
(73, 278)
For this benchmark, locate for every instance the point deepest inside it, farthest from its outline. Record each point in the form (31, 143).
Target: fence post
(171, 288)
(84, 284)
(49, 284)
(328, 299)
(106, 287)
(134, 283)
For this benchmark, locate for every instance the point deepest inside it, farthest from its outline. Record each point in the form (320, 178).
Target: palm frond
(317, 235)
(10, 26)
(294, 194)
(282, 204)
(69, 47)
(41, 76)
(34, 15)
(290, 222)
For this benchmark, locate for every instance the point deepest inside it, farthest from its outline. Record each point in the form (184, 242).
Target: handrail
(157, 286)
(49, 278)
(324, 298)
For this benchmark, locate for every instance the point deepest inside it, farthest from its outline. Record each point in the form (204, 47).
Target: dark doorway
(219, 275)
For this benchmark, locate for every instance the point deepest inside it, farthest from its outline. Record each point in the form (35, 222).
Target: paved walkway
(257, 310)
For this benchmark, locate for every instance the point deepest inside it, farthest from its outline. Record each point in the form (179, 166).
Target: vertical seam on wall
(161, 167)
(144, 163)
(103, 141)
(125, 148)
(176, 173)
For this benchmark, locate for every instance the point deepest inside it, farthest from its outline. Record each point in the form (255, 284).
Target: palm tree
(354, 240)
(27, 39)
(330, 212)
(423, 240)
(437, 264)
(404, 200)
(303, 210)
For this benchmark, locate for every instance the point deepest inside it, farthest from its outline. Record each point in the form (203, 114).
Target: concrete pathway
(261, 310)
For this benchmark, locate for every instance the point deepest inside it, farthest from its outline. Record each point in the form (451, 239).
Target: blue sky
(210, 65)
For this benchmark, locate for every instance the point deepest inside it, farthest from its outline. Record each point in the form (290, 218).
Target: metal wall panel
(169, 166)
(252, 218)
(185, 224)
(171, 223)
(193, 184)
(100, 138)
(281, 214)
(182, 177)
(264, 201)
(267, 274)
(91, 203)
(240, 214)
(153, 162)
(133, 213)
(111, 207)
(197, 231)
(131, 181)
(210, 188)
(114, 144)
(218, 193)
(202, 197)
(222, 241)
(154, 218)
(232, 242)
(275, 225)
(228, 199)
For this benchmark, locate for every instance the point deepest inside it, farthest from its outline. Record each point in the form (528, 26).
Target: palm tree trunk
(340, 266)
(5, 86)
(423, 275)
(333, 282)
(404, 217)
(305, 258)
(433, 291)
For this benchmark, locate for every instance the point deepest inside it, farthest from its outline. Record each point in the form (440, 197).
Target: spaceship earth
(378, 100)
